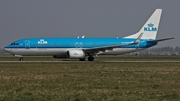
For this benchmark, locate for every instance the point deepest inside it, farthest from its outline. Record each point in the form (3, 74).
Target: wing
(97, 50)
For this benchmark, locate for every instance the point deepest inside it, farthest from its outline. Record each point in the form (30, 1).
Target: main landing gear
(90, 58)
(83, 59)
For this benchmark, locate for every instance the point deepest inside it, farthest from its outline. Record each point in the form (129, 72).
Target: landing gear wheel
(20, 59)
(90, 58)
(83, 59)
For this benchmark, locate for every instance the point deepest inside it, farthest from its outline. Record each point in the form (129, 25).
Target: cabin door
(27, 44)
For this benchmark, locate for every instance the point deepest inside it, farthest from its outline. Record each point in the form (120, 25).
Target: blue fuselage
(87, 46)
(77, 43)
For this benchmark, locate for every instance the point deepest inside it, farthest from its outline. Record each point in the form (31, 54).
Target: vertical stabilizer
(150, 28)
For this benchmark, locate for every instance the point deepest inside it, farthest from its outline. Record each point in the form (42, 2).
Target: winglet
(138, 39)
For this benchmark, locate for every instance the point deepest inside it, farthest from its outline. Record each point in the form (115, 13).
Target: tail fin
(150, 28)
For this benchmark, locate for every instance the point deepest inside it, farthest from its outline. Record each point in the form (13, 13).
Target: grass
(89, 81)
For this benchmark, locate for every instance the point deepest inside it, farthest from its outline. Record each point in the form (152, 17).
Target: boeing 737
(80, 48)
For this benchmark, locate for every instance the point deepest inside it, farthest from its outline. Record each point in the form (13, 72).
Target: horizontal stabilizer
(161, 40)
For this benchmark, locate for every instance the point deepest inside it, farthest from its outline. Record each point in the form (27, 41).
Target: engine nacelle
(76, 53)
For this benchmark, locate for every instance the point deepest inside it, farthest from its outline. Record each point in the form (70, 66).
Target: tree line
(168, 50)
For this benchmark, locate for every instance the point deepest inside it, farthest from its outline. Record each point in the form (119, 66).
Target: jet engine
(77, 54)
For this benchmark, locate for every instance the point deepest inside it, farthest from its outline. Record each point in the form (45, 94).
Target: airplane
(80, 48)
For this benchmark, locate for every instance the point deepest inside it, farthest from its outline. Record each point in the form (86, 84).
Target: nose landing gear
(20, 59)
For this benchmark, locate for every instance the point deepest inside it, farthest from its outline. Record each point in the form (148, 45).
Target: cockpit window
(14, 44)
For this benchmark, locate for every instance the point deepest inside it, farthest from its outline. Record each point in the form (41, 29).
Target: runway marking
(86, 61)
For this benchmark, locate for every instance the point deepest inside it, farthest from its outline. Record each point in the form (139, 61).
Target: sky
(91, 18)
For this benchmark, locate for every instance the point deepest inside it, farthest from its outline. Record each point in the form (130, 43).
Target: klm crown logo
(75, 54)
(150, 27)
(42, 41)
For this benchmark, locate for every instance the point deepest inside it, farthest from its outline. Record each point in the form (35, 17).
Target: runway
(89, 61)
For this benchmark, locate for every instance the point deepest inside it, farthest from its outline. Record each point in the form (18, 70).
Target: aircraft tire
(21, 59)
(90, 58)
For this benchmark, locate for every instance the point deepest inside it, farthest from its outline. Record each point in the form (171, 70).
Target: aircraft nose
(6, 49)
